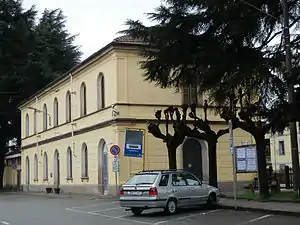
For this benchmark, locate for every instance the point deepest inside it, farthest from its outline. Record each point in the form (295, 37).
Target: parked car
(167, 189)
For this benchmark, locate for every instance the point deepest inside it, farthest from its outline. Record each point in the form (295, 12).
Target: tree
(31, 56)
(201, 130)
(207, 43)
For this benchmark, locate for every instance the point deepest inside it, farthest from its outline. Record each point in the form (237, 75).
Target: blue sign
(134, 143)
(115, 150)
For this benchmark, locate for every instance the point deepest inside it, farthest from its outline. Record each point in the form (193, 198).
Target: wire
(253, 6)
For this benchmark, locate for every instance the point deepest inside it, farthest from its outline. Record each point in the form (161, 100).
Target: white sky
(96, 21)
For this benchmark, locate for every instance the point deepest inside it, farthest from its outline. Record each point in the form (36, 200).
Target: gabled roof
(119, 41)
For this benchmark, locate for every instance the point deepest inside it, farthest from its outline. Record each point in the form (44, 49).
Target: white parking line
(188, 216)
(92, 205)
(105, 210)
(256, 219)
(110, 217)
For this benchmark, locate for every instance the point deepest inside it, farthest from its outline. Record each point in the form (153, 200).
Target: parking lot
(19, 209)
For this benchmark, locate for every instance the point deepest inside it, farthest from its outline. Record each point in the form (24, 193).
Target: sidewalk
(284, 208)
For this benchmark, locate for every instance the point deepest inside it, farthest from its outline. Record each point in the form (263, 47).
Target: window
(35, 121)
(100, 91)
(164, 180)
(45, 119)
(55, 112)
(45, 168)
(69, 163)
(27, 125)
(36, 167)
(281, 148)
(191, 180)
(143, 178)
(178, 180)
(84, 165)
(190, 95)
(68, 107)
(83, 110)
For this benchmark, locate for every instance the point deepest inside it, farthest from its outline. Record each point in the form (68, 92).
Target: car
(166, 189)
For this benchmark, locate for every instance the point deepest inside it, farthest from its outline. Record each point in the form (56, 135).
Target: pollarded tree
(181, 129)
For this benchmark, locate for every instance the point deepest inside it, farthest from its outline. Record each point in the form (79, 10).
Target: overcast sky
(96, 21)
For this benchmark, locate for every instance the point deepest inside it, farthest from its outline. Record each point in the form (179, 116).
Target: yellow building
(69, 127)
(280, 148)
(12, 170)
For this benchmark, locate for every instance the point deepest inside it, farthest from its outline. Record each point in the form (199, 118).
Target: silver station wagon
(166, 189)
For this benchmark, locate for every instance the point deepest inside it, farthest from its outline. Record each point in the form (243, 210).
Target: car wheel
(212, 201)
(137, 211)
(171, 207)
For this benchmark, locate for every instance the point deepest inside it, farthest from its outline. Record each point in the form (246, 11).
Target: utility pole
(291, 98)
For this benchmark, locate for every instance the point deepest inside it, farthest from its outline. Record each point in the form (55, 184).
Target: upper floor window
(190, 95)
(35, 121)
(100, 92)
(281, 148)
(68, 107)
(83, 110)
(45, 119)
(55, 112)
(27, 125)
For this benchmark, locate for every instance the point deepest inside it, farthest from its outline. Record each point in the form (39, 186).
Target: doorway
(56, 169)
(27, 177)
(192, 157)
(103, 167)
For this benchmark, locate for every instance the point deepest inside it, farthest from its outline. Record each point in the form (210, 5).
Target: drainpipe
(72, 121)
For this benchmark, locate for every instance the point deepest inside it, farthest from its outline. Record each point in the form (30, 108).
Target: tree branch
(156, 132)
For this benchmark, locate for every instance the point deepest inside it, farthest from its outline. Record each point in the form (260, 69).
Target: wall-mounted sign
(134, 143)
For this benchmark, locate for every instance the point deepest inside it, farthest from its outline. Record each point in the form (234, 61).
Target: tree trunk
(262, 167)
(212, 157)
(172, 158)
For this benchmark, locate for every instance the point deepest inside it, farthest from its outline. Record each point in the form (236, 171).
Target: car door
(180, 189)
(198, 194)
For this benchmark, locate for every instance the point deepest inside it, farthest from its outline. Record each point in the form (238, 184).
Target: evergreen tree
(225, 47)
(31, 56)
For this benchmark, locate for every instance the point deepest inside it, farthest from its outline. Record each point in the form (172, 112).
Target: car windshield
(142, 179)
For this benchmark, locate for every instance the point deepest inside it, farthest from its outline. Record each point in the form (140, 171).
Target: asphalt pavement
(16, 209)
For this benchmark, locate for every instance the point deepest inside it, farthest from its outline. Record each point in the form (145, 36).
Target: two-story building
(69, 126)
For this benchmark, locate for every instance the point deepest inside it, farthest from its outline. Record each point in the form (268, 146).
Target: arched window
(69, 163)
(45, 119)
(84, 162)
(100, 92)
(36, 168)
(83, 100)
(27, 125)
(55, 112)
(35, 121)
(45, 168)
(68, 107)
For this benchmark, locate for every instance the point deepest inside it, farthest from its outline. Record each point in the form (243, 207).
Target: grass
(281, 197)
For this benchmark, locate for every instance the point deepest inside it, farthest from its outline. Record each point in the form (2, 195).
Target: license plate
(135, 193)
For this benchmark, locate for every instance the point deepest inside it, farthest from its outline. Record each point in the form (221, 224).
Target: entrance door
(56, 169)
(192, 157)
(105, 168)
(27, 171)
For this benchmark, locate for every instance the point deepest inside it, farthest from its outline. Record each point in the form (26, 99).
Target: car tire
(212, 201)
(136, 211)
(171, 207)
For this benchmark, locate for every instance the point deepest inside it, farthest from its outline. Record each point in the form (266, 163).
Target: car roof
(162, 171)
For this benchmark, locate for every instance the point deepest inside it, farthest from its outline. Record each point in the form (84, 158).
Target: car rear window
(142, 179)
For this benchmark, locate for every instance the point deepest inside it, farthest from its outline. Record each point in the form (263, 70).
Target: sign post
(232, 150)
(115, 151)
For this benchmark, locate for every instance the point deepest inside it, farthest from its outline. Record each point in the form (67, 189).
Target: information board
(246, 159)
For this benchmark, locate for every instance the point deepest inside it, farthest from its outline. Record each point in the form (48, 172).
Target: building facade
(69, 127)
(12, 170)
(280, 148)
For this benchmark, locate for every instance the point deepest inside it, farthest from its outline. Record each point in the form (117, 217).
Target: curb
(269, 211)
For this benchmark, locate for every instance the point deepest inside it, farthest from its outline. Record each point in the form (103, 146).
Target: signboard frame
(136, 148)
(246, 156)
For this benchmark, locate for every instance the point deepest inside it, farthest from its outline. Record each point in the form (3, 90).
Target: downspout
(72, 121)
